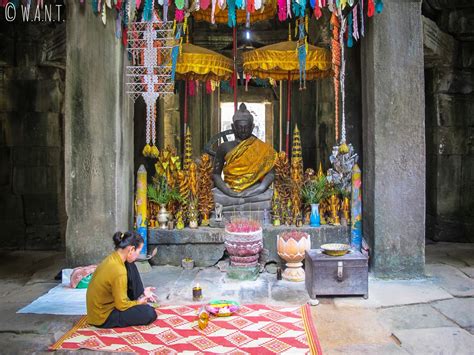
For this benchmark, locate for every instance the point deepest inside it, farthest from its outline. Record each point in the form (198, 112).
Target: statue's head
(242, 123)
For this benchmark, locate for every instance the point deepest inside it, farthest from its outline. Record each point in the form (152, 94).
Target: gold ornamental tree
(205, 184)
(193, 180)
(296, 172)
(183, 188)
(283, 185)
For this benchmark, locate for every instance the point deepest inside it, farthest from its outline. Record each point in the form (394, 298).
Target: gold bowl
(335, 249)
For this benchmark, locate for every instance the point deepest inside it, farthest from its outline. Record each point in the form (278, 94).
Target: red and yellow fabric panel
(265, 13)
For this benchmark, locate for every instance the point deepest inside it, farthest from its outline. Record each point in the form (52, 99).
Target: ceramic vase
(163, 216)
(315, 219)
(291, 247)
(243, 248)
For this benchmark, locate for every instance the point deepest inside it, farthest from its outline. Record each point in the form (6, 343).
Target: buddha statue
(247, 166)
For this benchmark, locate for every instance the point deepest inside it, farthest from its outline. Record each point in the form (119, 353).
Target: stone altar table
(206, 245)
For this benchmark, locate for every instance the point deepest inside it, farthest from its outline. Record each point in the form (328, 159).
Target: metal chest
(336, 275)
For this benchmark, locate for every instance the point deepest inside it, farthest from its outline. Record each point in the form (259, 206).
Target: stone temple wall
(449, 76)
(32, 74)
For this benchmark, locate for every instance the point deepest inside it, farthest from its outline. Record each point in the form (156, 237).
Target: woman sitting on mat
(115, 296)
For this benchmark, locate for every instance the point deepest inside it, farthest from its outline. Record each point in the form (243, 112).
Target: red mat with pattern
(254, 329)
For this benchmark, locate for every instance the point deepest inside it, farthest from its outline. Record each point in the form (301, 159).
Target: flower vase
(315, 219)
(291, 247)
(163, 216)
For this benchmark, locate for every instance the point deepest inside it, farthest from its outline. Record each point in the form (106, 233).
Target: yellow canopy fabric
(276, 60)
(265, 13)
(198, 63)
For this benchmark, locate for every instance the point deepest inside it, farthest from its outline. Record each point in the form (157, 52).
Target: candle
(197, 293)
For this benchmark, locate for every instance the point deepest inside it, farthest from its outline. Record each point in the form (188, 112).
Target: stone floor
(427, 316)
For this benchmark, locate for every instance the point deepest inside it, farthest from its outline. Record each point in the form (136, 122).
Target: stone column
(394, 140)
(98, 137)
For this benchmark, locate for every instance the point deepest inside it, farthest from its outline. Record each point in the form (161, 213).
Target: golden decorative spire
(188, 150)
(296, 151)
(320, 170)
(296, 154)
(296, 172)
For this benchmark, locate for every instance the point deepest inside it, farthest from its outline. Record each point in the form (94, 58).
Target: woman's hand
(142, 300)
(149, 295)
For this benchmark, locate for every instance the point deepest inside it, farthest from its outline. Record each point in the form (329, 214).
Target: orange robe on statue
(248, 163)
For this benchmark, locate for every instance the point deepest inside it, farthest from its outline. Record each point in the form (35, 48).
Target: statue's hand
(223, 187)
(233, 193)
(252, 191)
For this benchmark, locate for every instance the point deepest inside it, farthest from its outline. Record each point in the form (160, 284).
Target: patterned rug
(254, 329)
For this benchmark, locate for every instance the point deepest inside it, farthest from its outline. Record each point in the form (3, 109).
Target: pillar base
(294, 272)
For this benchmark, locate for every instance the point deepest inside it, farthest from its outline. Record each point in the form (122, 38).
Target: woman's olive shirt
(108, 290)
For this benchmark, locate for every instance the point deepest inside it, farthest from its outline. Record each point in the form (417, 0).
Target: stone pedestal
(294, 272)
(98, 145)
(248, 205)
(394, 140)
(243, 273)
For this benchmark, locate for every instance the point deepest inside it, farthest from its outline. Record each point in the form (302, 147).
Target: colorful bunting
(379, 6)
(370, 8)
(148, 10)
(350, 40)
(317, 12)
(231, 15)
(282, 13)
(355, 28)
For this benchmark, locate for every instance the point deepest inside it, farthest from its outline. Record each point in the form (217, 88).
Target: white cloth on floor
(61, 300)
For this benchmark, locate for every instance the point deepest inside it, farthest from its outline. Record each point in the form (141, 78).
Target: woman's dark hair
(123, 240)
